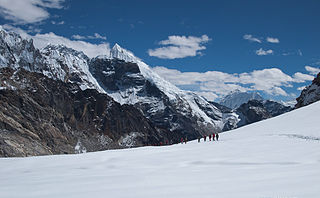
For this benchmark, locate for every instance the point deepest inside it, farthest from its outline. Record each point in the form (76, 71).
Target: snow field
(278, 157)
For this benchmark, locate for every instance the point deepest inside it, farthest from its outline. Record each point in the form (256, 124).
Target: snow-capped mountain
(310, 94)
(130, 81)
(16, 52)
(68, 65)
(236, 98)
(57, 62)
(122, 54)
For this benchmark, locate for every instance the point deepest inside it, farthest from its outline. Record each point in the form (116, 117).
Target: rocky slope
(310, 94)
(41, 116)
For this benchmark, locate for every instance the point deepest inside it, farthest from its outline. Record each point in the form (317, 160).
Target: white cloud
(301, 88)
(251, 38)
(78, 37)
(180, 47)
(91, 50)
(42, 40)
(28, 11)
(312, 70)
(215, 84)
(272, 40)
(262, 52)
(300, 77)
(95, 36)
(57, 23)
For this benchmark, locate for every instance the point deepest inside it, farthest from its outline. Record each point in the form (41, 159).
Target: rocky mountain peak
(118, 52)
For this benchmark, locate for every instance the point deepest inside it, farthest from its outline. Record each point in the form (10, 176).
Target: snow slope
(278, 157)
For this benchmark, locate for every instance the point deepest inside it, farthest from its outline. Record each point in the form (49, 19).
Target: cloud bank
(215, 84)
(42, 40)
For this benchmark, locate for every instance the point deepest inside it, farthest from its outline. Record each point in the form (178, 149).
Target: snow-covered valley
(278, 157)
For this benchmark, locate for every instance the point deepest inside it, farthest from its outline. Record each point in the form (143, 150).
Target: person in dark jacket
(199, 139)
(204, 138)
(217, 136)
(185, 140)
(210, 137)
(213, 136)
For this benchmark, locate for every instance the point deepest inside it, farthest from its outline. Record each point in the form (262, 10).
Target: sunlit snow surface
(275, 158)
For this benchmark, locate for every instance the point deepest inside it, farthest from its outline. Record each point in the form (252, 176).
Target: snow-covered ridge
(69, 65)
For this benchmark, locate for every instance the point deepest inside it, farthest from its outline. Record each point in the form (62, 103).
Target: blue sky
(234, 38)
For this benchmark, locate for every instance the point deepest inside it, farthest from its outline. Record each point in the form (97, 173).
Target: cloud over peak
(95, 36)
(180, 47)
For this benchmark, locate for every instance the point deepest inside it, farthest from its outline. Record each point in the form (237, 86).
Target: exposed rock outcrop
(310, 94)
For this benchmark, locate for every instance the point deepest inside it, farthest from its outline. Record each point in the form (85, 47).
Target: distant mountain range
(57, 100)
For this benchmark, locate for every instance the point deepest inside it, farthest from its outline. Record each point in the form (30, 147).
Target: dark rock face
(222, 108)
(275, 108)
(310, 94)
(252, 111)
(40, 116)
(255, 110)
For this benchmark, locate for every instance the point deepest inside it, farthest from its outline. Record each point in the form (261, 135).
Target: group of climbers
(214, 136)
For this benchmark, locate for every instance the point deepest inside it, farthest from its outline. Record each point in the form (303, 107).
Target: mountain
(128, 80)
(171, 113)
(236, 98)
(310, 94)
(41, 116)
(277, 157)
(252, 111)
(56, 62)
(257, 110)
(275, 108)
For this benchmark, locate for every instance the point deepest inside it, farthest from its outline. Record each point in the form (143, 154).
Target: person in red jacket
(181, 140)
(213, 135)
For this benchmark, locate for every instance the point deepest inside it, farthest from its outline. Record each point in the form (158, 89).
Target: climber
(217, 136)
